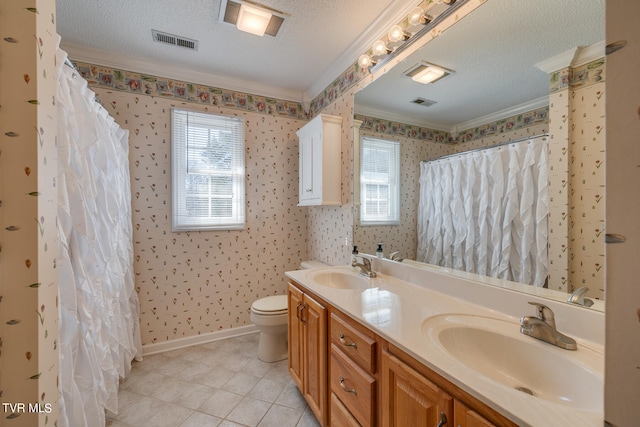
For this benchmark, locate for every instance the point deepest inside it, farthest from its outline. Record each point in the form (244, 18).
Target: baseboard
(176, 344)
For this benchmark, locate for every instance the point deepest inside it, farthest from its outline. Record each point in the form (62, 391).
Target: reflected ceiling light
(379, 48)
(365, 61)
(418, 17)
(427, 73)
(396, 34)
(253, 20)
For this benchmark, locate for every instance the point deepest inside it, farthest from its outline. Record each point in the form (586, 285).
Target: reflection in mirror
(517, 70)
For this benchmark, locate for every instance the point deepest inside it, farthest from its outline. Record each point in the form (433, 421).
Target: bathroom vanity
(405, 349)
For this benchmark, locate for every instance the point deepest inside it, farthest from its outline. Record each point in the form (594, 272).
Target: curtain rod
(515, 141)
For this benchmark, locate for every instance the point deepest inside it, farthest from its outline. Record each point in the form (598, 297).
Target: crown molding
(589, 54)
(399, 118)
(122, 62)
(573, 57)
(455, 129)
(558, 62)
(394, 13)
(502, 114)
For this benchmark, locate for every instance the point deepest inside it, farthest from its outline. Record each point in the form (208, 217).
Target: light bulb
(416, 16)
(379, 48)
(395, 34)
(365, 61)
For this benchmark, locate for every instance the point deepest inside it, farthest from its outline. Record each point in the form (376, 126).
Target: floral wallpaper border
(144, 84)
(509, 124)
(574, 78)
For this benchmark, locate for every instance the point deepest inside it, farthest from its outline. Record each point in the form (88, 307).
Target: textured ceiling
(312, 38)
(493, 52)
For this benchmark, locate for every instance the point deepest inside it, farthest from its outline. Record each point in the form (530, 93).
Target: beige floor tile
(241, 383)
(249, 411)
(198, 419)
(267, 390)
(281, 416)
(168, 416)
(222, 384)
(220, 403)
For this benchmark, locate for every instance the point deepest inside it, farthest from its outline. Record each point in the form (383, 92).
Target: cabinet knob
(308, 190)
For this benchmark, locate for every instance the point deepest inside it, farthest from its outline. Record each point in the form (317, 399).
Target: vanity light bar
(428, 26)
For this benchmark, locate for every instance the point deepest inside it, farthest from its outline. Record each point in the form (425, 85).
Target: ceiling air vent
(230, 9)
(174, 40)
(423, 102)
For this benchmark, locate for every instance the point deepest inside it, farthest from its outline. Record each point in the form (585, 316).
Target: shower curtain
(99, 331)
(486, 212)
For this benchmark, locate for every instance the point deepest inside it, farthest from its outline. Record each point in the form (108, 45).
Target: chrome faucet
(578, 297)
(543, 327)
(393, 256)
(365, 267)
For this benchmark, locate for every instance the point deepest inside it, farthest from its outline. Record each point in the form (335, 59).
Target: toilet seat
(270, 306)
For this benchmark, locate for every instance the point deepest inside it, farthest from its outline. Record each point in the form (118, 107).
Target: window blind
(379, 182)
(208, 171)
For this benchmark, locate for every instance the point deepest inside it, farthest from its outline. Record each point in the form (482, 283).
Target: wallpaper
(28, 167)
(191, 283)
(331, 227)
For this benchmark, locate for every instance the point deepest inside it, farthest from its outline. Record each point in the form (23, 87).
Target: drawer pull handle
(443, 420)
(302, 318)
(345, 343)
(345, 388)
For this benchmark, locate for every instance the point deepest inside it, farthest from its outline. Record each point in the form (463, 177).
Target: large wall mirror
(497, 91)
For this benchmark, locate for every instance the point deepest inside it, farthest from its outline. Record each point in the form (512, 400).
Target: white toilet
(269, 314)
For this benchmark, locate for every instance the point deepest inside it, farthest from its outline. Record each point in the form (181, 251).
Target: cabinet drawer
(354, 387)
(353, 341)
(340, 416)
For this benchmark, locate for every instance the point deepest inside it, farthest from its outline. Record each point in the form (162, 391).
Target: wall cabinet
(320, 161)
(370, 381)
(308, 349)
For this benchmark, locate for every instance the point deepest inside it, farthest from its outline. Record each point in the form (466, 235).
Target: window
(207, 166)
(379, 182)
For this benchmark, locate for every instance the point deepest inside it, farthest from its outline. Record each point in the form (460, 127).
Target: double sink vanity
(421, 346)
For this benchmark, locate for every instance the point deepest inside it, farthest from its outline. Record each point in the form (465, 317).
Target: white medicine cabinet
(320, 160)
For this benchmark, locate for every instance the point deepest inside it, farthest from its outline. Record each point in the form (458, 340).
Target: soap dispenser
(379, 252)
(354, 255)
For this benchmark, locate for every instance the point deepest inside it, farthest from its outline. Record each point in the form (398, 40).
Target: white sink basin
(497, 350)
(340, 279)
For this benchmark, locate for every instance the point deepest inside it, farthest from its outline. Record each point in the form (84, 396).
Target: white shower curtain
(486, 212)
(99, 331)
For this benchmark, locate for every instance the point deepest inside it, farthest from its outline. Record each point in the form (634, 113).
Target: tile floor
(222, 383)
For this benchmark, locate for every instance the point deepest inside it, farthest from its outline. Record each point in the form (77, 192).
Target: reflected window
(379, 182)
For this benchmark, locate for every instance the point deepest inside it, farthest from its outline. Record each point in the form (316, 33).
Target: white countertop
(399, 301)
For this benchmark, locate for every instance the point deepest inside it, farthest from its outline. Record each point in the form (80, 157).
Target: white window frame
(391, 180)
(213, 125)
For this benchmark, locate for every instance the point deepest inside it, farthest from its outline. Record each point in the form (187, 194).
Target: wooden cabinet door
(314, 327)
(410, 399)
(465, 417)
(295, 335)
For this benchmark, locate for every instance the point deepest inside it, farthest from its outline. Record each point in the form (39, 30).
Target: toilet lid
(275, 304)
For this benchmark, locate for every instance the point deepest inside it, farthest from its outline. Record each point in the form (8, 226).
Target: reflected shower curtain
(486, 212)
(99, 331)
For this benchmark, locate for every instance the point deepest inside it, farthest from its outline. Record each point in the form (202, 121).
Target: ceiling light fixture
(429, 75)
(251, 17)
(426, 73)
(398, 39)
(253, 20)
